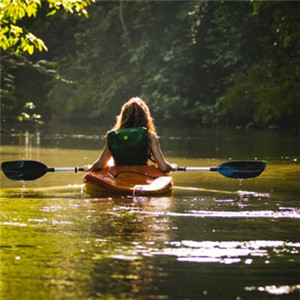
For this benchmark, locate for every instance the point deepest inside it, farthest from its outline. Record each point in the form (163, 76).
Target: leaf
(51, 13)
(36, 116)
(30, 11)
(25, 48)
(29, 105)
(30, 49)
(25, 116)
(41, 45)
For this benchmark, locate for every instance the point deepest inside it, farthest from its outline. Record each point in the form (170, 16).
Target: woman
(132, 140)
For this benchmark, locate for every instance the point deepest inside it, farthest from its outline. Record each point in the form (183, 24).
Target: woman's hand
(87, 167)
(170, 168)
(174, 167)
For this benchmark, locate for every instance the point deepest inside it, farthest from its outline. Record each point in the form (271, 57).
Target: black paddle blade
(242, 169)
(24, 169)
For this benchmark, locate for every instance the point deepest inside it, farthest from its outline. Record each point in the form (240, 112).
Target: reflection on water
(275, 290)
(212, 238)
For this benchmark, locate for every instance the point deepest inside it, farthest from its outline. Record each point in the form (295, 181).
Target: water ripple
(289, 214)
(223, 252)
(275, 290)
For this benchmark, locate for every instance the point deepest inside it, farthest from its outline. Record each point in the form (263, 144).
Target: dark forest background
(195, 63)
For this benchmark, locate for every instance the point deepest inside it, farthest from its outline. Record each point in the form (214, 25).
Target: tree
(17, 41)
(12, 12)
(194, 62)
(264, 89)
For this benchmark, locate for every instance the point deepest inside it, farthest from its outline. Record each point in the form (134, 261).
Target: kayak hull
(139, 180)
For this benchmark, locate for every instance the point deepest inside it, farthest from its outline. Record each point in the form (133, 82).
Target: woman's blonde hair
(135, 113)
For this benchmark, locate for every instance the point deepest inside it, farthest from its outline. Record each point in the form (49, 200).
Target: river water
(213, 238)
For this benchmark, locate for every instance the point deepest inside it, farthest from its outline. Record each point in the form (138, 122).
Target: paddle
(31, 169)
(234, 169)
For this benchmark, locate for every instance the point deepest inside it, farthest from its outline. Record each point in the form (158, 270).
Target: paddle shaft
(76, 169)
(201, 169)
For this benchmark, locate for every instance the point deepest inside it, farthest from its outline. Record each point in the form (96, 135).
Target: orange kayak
(129, 180)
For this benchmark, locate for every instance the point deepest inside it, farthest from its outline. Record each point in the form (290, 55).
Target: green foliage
(267, 91)
(70, 6)
(109, 69)
(12, 35)
(29, 115)
(17, 41)
(12, 12)
(195, 63)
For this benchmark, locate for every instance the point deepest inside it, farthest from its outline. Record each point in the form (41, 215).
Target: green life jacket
(129, 146)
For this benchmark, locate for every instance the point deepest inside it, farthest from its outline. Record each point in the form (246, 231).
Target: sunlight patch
(275, 290)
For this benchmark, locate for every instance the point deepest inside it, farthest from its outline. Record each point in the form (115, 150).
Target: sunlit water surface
(213, 238)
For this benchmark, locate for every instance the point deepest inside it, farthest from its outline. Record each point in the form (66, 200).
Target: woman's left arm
(101, 162)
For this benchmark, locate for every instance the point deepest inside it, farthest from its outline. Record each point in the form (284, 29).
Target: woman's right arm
(158, 155)
(101, 162)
